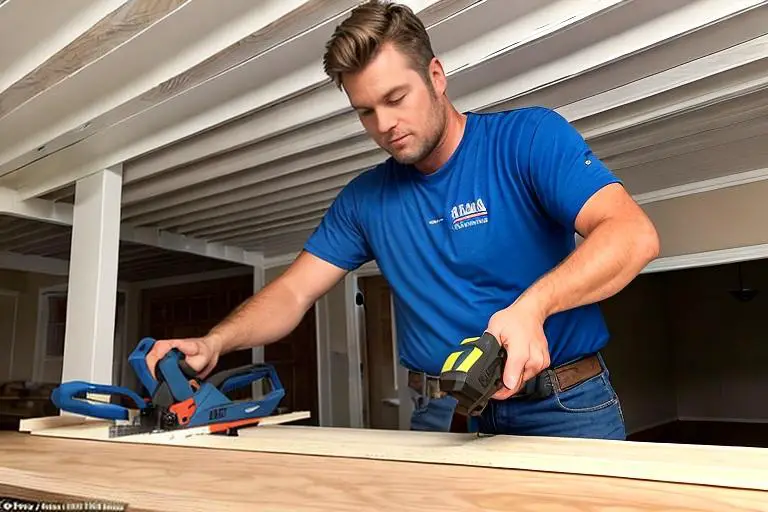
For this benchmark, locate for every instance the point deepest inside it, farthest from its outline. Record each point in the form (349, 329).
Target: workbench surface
(182, 478)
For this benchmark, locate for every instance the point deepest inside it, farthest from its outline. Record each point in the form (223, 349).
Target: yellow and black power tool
(473, 373)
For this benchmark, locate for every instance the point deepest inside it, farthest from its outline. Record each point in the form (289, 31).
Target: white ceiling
(228, 130)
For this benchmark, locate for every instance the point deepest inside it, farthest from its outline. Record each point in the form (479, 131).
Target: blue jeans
(590, 409)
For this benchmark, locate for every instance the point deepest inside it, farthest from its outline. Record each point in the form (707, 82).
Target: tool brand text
(218, 413)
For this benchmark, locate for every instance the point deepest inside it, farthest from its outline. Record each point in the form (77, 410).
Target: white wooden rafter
(281, 147)
(43, 210)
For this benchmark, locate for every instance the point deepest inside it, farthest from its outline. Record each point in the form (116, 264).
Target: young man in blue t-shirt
(472, 221)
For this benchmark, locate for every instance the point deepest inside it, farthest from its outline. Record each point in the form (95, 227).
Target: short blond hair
(357, 39)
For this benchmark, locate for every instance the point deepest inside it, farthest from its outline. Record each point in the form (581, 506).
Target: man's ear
(437, 75)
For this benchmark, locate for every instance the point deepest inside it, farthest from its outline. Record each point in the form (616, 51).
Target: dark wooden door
(379, 359)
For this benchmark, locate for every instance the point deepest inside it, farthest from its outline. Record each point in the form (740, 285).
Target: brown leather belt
(560, 378)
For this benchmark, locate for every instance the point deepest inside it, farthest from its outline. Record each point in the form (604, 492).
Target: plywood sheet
(189, 479)
(725, 466)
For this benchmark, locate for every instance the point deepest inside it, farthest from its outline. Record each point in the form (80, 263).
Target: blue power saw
(177, 399)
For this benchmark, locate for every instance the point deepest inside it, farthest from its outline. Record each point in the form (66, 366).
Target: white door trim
(707, 258)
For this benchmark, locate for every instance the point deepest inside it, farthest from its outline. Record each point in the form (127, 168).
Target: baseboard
(718, 419)
(655, 424)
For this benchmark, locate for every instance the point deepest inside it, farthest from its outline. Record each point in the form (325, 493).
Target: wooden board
(189, 479)
(81, 427)
(723, 466)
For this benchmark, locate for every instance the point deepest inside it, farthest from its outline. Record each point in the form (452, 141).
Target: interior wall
(721, 342)
(640, 355)
(684, 348)
(28, 285)
(718, 219)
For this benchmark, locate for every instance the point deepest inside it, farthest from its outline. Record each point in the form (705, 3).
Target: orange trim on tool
(184, 410)
(224, 426)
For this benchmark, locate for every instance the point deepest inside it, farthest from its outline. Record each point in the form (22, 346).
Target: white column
(92, 291)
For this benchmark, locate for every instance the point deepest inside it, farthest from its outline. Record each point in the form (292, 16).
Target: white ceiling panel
(229, 132)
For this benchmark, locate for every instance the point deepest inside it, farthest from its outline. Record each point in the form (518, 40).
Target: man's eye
(397, 100)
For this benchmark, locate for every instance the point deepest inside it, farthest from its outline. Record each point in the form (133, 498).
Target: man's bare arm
(619, 240)
(273, 312)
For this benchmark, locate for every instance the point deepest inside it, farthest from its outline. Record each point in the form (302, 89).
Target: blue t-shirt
(458, 245)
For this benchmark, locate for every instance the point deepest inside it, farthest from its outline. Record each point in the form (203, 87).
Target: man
(472, 221)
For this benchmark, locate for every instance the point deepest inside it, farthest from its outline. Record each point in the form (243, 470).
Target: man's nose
(386, 121)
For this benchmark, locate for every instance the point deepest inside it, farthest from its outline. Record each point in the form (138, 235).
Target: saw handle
(165, 367)
(236, 378)
(68, 395)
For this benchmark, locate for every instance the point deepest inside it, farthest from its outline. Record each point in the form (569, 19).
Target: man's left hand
(520, 330)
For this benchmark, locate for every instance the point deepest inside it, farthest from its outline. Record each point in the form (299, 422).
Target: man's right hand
(201, 354)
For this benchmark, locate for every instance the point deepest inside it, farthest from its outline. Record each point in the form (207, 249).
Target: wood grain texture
(738, 467)
(112, 31)
(169, 478)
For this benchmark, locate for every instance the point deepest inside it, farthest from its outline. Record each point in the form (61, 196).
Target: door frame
(355, 348)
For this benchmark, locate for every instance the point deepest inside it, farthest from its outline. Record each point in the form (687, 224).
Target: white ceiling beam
(634, 91)
(670, 128)
(507, 78)
(11, 203)
(260, 209)
(684, 74)
(685, 100)
(292, 242)
(712, 136)
(344, 126)
(63, 213)
(181, 243)
(195, 32)
(255, 175)
(255, 85)
(245, 226)
(316, 175)
(279, 118)
(676, 102)
(31, 263)
(272, 226)
(31, 31)
(284, 231)
(289, 66)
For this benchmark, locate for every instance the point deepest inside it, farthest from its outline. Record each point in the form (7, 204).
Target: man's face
(398, 109)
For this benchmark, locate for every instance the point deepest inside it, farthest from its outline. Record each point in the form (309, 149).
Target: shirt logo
(469, 214)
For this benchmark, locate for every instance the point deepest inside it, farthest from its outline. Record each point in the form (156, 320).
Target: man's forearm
(604, 263)
(267, 316)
